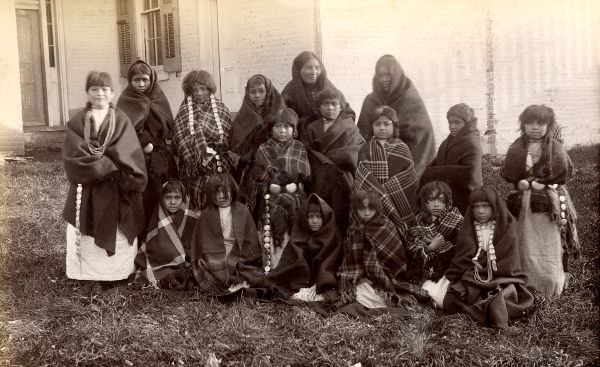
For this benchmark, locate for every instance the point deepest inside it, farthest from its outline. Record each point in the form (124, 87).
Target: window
(50, 25)
(149, 29)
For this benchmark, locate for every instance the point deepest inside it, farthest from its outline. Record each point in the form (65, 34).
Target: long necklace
(491, 258)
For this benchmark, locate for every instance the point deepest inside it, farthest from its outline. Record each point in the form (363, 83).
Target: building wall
(11, 120)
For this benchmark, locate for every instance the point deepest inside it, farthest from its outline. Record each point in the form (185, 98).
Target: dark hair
(328, 93)
(198, 77)
(390, 113)
(539, 113)
(359, 197)
(174, 186)
(484, 194)
(435, 189)
(224, 182)
(98, 79)
(256, 80)
(140, 68)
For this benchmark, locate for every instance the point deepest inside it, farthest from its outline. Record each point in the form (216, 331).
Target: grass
(47, 319)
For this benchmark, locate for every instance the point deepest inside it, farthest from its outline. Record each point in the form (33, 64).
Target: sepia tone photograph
(352, 183)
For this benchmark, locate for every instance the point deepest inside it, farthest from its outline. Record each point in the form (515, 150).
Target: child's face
(100, 97)
(257, 94)
(140, 82)
(365, 213)
(315, 221)
(222, 199)
(310, 71)
(200, 93)
(535, 129)
(172, 201)
(436, 204)
(482, 211)
(330, 109)
(383, 128)
(282, 132)
(384, 76)
(455, 124)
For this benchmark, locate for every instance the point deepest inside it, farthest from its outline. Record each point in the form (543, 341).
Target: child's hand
(148, 148)
(436, 243)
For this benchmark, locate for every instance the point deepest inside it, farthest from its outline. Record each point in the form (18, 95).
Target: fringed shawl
(250, 127)
(112, 181)
(389, 170)
(415, 126)
(167, 243)
(289, 156)
(300, 96)
(191, 148)
(310, 257)
(214, 271)
(140, 106)
(375, 252)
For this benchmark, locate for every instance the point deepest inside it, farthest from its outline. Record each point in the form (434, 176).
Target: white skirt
(93, 263)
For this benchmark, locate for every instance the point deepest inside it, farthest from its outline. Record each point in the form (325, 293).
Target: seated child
(373, 270)
(148, 108)
(485, 276)
(432, 239)
(309, 262)
(539, 167)
(226, 255)
(385, 165)
(163, 260)
(458, 161)
(333, 142)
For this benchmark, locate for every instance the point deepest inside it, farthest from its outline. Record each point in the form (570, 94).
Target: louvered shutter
(170, 28)
(126, 34)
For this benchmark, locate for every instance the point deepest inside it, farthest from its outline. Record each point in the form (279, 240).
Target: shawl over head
(390, 172)
(167, 242)
(250, 127)
(415, 126)
(214, 271)
(112, 181)
(300, 96)
(310, 257)
(139, 106)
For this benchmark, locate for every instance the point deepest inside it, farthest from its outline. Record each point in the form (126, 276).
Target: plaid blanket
(389, 170)
(374, 251)
(167, 244)
(289, 156)
(447, 224)
(196, 164)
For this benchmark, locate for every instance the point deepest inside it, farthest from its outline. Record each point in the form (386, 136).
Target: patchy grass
(47, 319)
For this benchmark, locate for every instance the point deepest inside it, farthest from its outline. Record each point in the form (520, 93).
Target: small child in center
(432, 239)
(226, 255)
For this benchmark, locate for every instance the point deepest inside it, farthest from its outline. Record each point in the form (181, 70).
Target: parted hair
(98, 79)
(174, 186)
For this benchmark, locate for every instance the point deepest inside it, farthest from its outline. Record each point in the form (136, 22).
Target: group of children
(318, 210)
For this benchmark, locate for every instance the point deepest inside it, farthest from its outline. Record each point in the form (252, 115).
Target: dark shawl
(112, 182)
(213, 274)
(389, 171)
(458, 163)
(310, 257)
(250, 127)
(300, 96)
(415, 126)
(333, 157)
(505, 296)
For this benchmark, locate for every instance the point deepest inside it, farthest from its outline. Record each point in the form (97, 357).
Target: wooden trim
(61, 61)
(27, 4)
(318, 33)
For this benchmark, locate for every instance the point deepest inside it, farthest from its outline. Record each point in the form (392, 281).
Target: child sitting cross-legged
(163, 259)
(432, 239)
(226, 255)
(373, 270)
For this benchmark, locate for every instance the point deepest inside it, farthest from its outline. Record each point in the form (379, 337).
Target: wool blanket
(310, 258)
(388, 169)
(505, 296)
(458, 163)
(166, 249)
(415, 126)
(112, 181)
(215, 271)
(333, 157)
(288, 156)
(301, 96)
(373, 251)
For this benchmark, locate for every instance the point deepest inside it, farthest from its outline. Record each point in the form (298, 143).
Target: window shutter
(170, 34)
(126, 34)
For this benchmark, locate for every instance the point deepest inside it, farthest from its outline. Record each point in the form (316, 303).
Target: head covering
(313, 207)
(302, 59)
(98, 79)
(463, 112)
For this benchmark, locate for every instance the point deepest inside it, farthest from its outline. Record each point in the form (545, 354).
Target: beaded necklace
(491, 258)
(215, 111)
